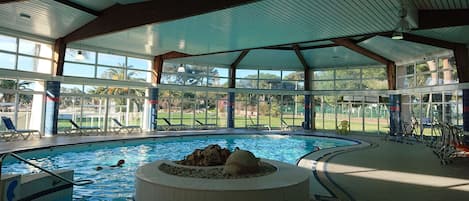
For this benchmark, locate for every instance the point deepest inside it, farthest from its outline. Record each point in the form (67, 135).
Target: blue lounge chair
(13, 132)
(82, 130)
(121, 127)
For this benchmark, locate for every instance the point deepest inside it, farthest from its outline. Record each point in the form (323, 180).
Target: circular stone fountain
(279, 181)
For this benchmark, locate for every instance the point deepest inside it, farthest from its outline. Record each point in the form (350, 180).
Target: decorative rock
(210, 156)
(241, 162)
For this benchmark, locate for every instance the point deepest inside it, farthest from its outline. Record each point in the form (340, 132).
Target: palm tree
(118, 74)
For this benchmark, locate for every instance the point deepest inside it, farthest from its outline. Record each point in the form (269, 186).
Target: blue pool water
(118, 183)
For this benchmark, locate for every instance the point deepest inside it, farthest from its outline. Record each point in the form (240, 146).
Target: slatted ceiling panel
(441, 4)
(335, 57)
(458, 34)
(399, 50)
(48, 18)
(219, 60)
(265, 23)
(271, 59)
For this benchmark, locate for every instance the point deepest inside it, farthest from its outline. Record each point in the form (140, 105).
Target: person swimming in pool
(120, 163)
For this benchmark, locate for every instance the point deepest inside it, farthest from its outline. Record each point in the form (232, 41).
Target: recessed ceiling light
(25, 16)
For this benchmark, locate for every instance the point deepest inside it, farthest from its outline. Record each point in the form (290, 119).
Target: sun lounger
(171, 126)
(205, 126)
(121, 127)
(12, 132)
(82, 130)
(286, 127)
(258, 126)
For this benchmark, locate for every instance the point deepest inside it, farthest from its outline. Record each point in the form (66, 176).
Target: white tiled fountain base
(288, 183)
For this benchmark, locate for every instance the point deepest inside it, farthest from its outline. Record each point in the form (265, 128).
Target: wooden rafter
(301, 48)
(9, 1)
(390, 65)
(59, 57)
(158, 62)
(306, 68)
(233, 68)
(121, 17)
(348, 43)
(79, 7)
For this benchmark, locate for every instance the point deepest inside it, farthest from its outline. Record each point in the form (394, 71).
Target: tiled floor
(386, 171)
(392, 171)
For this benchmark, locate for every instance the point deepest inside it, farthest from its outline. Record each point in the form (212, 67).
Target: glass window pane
(347, 74)
(8, 61)
(7, 84)
(323, 85)
(71, 88)
(347, 84)
(88, 56)
(374, 73)
(137, 75)
(78, 70)
(293, 75)
(246, 83)
(219, 72)
(170, 67)
(217, 82)
(7, 43)
(35, 48)
(110, 73)
(290, 85)
(323, 75)
(137, 63)
(269, 74)
(34, 64)
(111, 59)
(243, 73)
(375, 84)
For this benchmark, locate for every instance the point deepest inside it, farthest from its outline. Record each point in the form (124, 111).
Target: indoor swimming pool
(118, 183)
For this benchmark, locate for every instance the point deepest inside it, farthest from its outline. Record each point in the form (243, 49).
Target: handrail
(75, 183)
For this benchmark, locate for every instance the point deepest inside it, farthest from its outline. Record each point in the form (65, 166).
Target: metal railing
(75, 183)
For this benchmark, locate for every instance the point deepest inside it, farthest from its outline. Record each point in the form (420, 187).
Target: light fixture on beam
(181, 69)
(79, 56)
(403, 25)
(397, 35)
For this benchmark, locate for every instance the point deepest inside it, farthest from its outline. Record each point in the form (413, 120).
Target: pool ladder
(75, 183)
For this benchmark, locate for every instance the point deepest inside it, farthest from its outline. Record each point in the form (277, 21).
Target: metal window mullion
(17, 52)
(96, 65)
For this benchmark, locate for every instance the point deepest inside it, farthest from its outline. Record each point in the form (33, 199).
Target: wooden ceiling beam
(158, 62)
(79, 7)
(430, 19)
(390, 65)
(121, 17)
(233, 68)
(431, 41)
(306, 67)
(348, 43)
(59, 57)
(9, 1)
